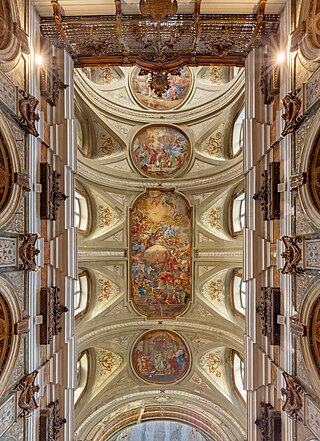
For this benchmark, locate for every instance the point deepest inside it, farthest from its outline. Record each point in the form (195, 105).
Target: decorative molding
(293, 393)
(268, 310)
(51, 310)
(51, 422)
(51, 196)
(268, 195)
(297, 36)
(269, 423)
(28, 252)
(292, 255)
(292, 105)
(297, 181)
(27, 400)
(23, 326)
(28, 115)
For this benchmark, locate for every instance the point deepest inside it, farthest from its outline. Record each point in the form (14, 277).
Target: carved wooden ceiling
(201, 33)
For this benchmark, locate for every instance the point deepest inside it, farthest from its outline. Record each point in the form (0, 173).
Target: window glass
(82, 376)
(81, 213)
(81, 293)
(239, 293)
(238, 134)
(238, 373)
(238, 213)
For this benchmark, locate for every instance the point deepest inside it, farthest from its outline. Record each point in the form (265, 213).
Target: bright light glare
(281, 57)
(38, 59)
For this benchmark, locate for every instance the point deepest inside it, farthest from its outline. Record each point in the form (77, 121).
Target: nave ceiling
(114, 332)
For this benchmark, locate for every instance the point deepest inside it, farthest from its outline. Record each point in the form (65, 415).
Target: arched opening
(81, 293)
(238, 134)
(81, 212)
(237, 213)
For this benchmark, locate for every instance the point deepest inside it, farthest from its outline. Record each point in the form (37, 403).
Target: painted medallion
(180, 87)
(160, 151)
(160, 357)
(161, 240)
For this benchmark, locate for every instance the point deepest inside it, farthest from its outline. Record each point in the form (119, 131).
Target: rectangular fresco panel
(161, 243)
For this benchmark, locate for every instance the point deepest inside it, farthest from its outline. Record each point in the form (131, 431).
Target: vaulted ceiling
(118, 393)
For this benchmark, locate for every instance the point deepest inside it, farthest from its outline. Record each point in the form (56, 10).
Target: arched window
(239, 294)
(238, 214)
(238, 134)
(81, 292)
(81, 212)
(82, 376)
(238, 374)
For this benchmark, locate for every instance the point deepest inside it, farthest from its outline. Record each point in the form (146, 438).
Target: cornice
(215, 180)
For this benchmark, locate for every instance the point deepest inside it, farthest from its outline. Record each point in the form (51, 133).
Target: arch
(237, 213)
(161, 260)
(9, 342)
(238, 294)
(9, 44)
(10, 194)
(308, 194)
(237, 364)
(310, 344)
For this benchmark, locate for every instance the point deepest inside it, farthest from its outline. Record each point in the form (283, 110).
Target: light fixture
(38, 59)
(281, 57)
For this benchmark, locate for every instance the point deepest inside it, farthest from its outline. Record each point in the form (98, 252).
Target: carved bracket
(23, 180)
(293, 393)
(296, 327)
(51, 422)
(51, 196)
(27, 113)
(28, 252)
(27, 401)
(268, 195)
(269, 310)
(292, 105)
(51, 310)
(292, 255)
(50, 83)
(269, 423)
(270, 79)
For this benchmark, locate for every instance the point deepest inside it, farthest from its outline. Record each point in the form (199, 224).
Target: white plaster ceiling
(107, 7)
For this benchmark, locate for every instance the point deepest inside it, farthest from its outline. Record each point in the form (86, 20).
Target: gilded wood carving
(27, 400)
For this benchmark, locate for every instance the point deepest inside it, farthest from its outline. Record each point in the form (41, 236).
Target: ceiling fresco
(159, 325)
(160, 357)
(161, 242)
(161, 151)
(178, 91)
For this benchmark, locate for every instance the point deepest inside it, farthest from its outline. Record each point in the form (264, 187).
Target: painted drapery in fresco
(180, 87)
(161, 243)
(160, 151)
(160, 357)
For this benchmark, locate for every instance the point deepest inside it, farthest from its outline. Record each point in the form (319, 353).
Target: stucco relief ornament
(27, 401)
(293, 393)
(292, 255)
(292, 105)
(158, 9)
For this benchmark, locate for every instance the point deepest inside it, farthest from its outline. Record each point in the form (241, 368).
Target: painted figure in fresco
(160, 254)
(160, 357)
(173, 97)
(160, 151)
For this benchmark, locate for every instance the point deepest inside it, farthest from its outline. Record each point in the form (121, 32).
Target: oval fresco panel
(160, 357)
(180, 87)
(160, 151)
(160, 244)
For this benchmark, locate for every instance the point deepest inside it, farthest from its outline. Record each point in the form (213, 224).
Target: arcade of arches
(159, 220)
